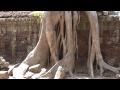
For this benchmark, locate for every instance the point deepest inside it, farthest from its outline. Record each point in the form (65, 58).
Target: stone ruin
(4, 66)
(19, 35)
(6, 71)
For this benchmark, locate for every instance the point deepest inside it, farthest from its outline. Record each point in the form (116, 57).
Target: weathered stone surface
(4, 75)
(36, 76)
(5, 65)
(17, 71)
(35, 68)
(10, 77)
(28, 75)
(10, 71)
(60, 74)
(43, 70)
(18, 32)
(2, 60)
(105, 12)
(118, 76)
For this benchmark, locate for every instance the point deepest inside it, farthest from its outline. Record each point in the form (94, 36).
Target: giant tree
(57, 45)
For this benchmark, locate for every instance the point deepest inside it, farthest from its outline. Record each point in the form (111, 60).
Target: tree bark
(47, 47)
(58, 43)
(68, 60)
(37, 55)
(95, 48)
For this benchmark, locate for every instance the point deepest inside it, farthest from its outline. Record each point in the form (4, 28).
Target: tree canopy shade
(57, 48)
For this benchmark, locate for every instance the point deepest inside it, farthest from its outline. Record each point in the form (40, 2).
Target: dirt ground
(81, 72)
(107, 75)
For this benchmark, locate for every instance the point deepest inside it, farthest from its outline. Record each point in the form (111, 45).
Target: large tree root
(19, 72)
(67, 64)
(104, 65)
(47, 47)
(95, 47)
(36, 56)
(60, 73)
(63, 39)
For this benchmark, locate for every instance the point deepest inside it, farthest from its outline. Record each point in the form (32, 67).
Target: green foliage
(37, 14)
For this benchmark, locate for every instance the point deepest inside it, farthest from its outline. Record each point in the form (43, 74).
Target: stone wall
(19, 36)
(109, 39)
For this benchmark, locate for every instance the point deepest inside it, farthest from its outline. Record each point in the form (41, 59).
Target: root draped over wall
(63, 42)
(49, 40)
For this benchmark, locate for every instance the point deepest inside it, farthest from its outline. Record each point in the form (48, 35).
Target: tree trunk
(37, 55)
(95, 48)
(57, 45)
(58, 34)
(68, 60)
